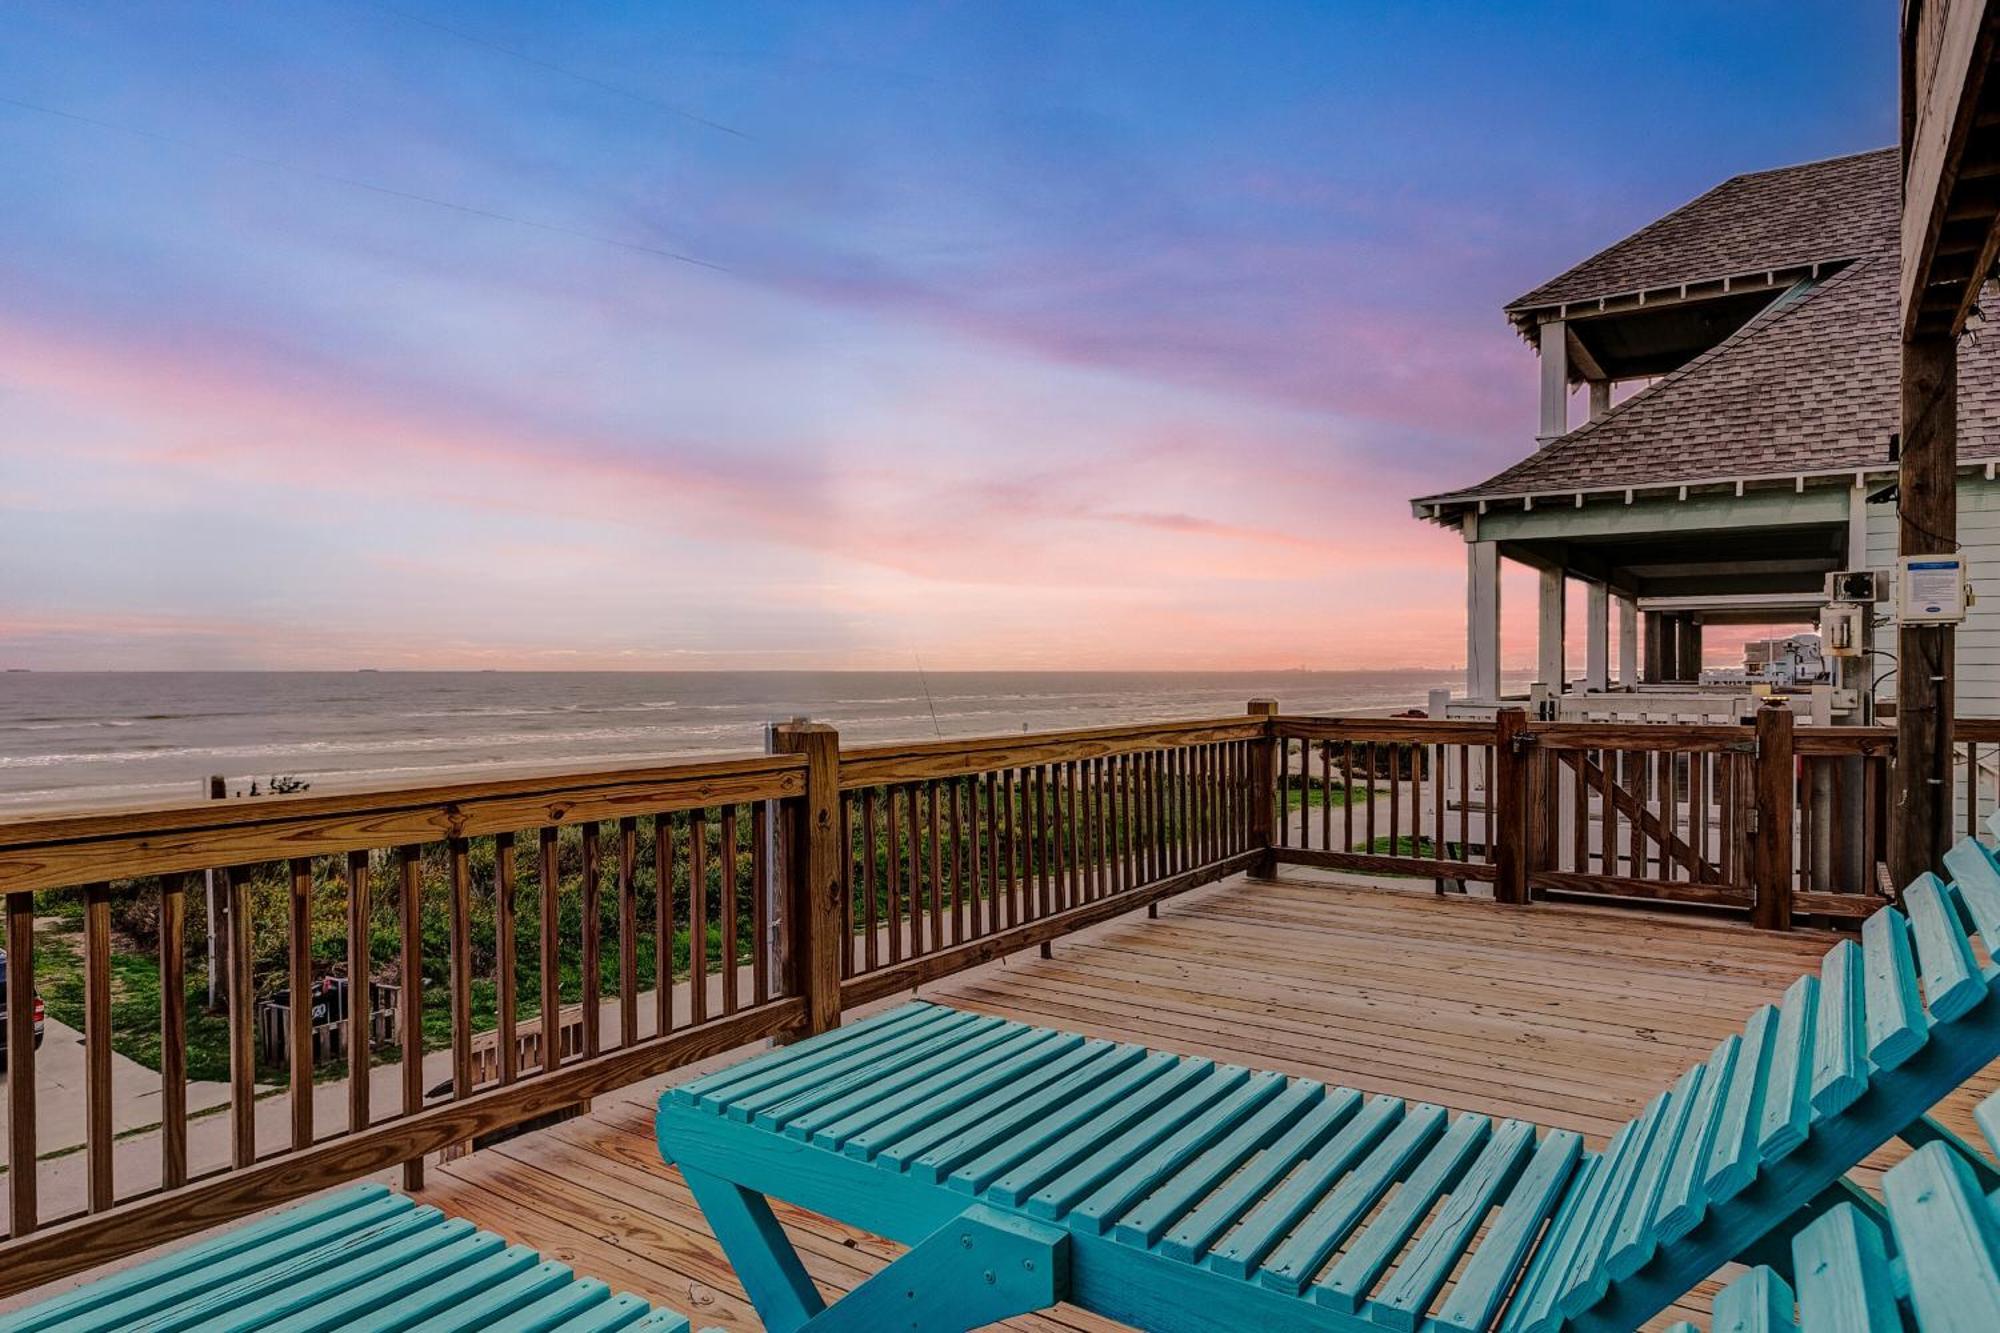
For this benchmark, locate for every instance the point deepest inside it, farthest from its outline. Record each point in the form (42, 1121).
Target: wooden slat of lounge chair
(347, 1260)
(1781, 1121)
(1948, 1239)
(1892, 1005)
(1198, 1229)
(1686, 1197)
(1475, 1298)
(1952, 983)
(1364, 1262)
(1842, 1273)
(1430, 1261)
(1840, 1060)
(1272, 1220)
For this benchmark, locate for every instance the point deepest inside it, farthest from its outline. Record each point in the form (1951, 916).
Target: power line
(354, 182)
(563, 70)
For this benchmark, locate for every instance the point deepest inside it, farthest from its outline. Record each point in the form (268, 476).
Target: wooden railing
(677, 912)
(953, 855)
(471, 893)
(1762, 819)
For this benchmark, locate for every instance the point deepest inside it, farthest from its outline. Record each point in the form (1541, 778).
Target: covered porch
(1658, 569)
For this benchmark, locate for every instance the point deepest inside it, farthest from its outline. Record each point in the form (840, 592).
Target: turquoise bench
(1926, 1261)
(359, 1259)
(1024, 1166)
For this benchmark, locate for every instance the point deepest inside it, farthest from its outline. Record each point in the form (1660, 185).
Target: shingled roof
(1809, 385)
(1813, 213)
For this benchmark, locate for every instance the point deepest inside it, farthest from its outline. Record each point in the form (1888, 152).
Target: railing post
(1264, 814)
(1771, 864)
(810, 857)
(1510, 807)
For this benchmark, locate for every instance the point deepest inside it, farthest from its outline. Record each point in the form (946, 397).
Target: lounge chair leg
(983, 1266)
(758, 1250)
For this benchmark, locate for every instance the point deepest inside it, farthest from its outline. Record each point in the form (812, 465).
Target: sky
(738, 335)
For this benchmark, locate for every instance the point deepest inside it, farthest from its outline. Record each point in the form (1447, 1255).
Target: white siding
(1978, 644)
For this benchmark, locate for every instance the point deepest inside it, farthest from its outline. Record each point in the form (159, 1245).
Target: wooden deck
(1562, 1015)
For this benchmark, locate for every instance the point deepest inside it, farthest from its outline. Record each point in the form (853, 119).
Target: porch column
(1927, 485)
(1655, 636)
(1688, 641)
(1482, 620)
(1628, 642)
(1549, 641)
(1555, 380)
(1597, 639)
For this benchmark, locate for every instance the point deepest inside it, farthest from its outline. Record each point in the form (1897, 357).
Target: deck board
(1569, 1016)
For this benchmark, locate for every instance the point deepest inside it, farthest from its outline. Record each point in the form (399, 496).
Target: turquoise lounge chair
(1927, 1262)
(1025, 1166)
(359, 1259)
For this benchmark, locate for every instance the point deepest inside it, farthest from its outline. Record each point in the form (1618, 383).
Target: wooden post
(810, 856)
(1597, 637)
(1508, 836)
(1482, 620)
(1927, 502)
(1264, 811)
(1553, 339)
(1771, 864)
(1628, 642)
(1549, 666)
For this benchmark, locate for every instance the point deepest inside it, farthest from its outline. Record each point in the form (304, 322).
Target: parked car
(41, 1013)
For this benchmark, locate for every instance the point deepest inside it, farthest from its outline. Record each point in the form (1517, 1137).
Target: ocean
(84, 739)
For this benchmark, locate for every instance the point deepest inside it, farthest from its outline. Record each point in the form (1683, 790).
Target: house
(1758, 455)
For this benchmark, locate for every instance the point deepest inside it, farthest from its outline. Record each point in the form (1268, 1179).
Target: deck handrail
(687, 908)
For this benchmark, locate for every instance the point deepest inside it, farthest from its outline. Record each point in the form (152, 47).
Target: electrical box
(1857, 585)
(1931, 589)
(1840, 629)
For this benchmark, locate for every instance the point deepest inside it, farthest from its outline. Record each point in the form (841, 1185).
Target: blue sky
(1009, 334)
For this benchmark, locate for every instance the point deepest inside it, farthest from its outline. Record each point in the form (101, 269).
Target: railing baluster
(232, 891)
(410, 1030)
(592, 1017)
(959, 859)
(937, 867)
(988, 878)
(360, 995)
(173, 1032)
(298, 941)
(628, 930)
(850, 905)
(697, 916)
(505, 962)
(895, 867)
(726, 865)
(549, 866)
(97, 1044)
(663, 923)
(871, 879)
(459, 854)
(22, 1169)
(760, 898)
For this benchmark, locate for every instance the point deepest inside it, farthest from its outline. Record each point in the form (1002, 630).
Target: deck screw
(991, 1278)
(965, 1241)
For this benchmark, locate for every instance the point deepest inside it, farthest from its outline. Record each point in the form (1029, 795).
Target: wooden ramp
(1566, 1016)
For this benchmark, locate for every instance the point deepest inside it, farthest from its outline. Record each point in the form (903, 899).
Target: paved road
(59, 1081)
